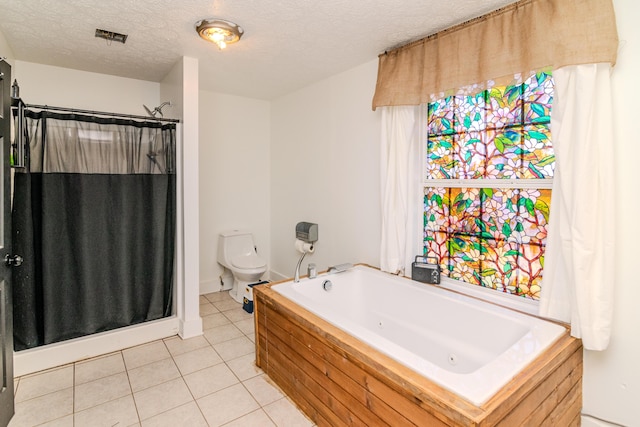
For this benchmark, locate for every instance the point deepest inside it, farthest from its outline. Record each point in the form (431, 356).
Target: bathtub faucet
(296, 276)
(339, 268)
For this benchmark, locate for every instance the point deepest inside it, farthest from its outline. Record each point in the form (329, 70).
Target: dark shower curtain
(94, 218)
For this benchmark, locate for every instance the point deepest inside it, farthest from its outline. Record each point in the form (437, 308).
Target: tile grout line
(133, 397)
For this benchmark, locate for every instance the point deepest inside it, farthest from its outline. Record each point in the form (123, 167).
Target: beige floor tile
(227, 304)
(16, 381)
(234, 348)
(177, 345)
(285, 414)
(99, 367)
(118, 412)
(213, 320)
(245, 367)
(196, 360)
(60, 422)
(222, 333)
(263, 390)
(255, 418)
(208, 308)
(161, 398)
(203, 299)
(135, 357)
(252, 338)
(100, 391)
(153, 374)
(217, 296)
(210, 380)
(227, 405)
(44, 383)
(247, 326)
(43, 409)
(185, 415)
(237, 315)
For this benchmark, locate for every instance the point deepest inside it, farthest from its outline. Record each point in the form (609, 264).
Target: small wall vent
(110, 36)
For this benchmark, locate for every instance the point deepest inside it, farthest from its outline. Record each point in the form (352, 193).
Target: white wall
(181, 87)
(234, 176)
(5, 50)
(612, 378)
(325, 154)
(64, 87)
(325, 160)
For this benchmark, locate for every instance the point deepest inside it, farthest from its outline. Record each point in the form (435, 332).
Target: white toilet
(237, 252)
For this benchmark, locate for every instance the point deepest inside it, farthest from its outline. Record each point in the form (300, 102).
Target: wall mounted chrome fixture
(157, 110)
(219, 31)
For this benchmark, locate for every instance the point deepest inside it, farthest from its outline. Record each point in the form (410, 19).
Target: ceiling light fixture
(219, 31)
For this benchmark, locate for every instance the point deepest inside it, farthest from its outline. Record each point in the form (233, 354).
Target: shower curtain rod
(102, 113)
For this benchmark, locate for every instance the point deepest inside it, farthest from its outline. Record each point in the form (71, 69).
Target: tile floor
(210, 380)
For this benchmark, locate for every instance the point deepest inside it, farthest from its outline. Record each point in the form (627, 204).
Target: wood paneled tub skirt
(374, 349)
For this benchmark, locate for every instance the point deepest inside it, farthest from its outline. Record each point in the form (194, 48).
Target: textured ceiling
(288, 44)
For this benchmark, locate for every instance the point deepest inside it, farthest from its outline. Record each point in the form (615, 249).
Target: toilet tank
(233, 243)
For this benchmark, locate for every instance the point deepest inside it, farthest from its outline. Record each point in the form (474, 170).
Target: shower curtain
(94, 218)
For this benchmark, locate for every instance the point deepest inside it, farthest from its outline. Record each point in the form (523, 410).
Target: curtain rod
(459, 26)
(102, 113)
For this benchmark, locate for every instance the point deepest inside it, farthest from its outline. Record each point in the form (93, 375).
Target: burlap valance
(528, 35)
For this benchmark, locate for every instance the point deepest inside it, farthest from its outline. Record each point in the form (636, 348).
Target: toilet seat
(248, 261)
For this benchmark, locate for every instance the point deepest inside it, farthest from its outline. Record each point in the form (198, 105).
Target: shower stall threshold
(64, 352)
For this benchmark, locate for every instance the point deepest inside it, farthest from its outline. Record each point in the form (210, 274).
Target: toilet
(237, 253)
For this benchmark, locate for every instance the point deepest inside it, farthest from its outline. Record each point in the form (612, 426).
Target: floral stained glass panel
(470, 113)
(503, 160)
(470, 155)
(464, 258)
(538, 160)
(504, 106)
(436, 209)
(440, 116)
(440, 160)
(492, 237)
(538, 97)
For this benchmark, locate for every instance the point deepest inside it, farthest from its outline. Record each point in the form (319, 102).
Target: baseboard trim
(190, 328)
(277, 277)
(209, 286)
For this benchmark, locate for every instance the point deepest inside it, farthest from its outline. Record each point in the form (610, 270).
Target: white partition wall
(180, 87)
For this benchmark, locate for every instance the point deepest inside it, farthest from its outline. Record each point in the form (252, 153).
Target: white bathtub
(465, 345)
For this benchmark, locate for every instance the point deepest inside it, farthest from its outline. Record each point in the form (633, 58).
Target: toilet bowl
(237, 253)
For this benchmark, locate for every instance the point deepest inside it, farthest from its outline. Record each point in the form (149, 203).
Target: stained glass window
(488, 165)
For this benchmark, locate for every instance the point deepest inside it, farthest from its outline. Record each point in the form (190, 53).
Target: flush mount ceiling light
(219, 31)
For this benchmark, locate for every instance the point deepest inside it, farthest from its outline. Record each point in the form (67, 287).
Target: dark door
(6, 329)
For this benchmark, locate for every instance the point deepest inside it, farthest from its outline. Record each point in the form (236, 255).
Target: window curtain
(94, 218)
(530, 35)
(527, 35)
(400, 179)
(578, 278)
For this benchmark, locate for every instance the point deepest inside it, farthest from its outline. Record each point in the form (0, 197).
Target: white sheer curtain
(400, 178)
(578, 274)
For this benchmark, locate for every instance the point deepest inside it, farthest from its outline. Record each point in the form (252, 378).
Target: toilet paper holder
(306, 236)
(307, 232)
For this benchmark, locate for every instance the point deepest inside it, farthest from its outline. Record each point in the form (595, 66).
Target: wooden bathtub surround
(337, 380)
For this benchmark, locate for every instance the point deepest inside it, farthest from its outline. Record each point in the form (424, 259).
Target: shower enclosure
(94, 214)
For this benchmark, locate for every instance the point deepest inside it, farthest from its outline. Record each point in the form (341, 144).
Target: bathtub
(467, 346)
(462, 350)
